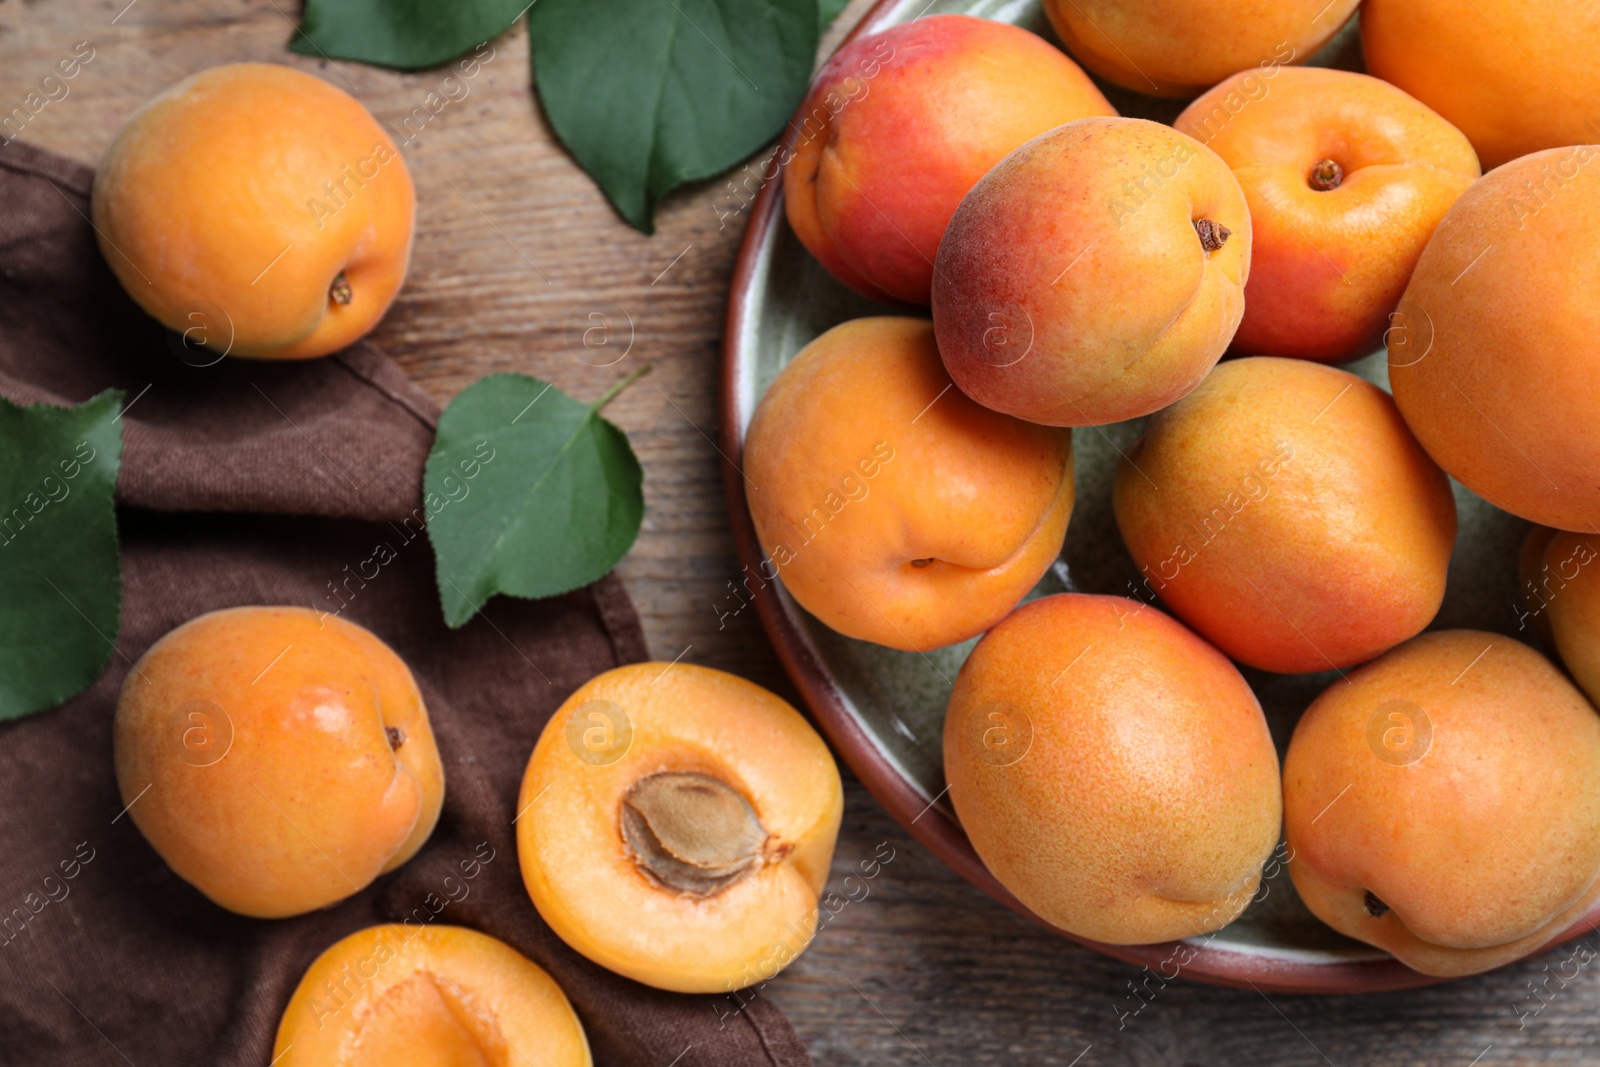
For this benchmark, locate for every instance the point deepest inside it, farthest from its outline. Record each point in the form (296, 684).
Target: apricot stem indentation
(1375, 907)
(340, 292)
(1213, 235)
(1326, 175)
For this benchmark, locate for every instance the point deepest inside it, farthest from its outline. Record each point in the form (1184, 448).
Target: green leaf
(528, 492)
(648, 94)
(827, 11)
(60, 575)
(407, 34)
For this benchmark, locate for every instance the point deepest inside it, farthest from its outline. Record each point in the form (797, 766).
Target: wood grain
(515, 249)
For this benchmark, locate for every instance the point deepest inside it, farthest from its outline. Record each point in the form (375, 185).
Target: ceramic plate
(884, 709)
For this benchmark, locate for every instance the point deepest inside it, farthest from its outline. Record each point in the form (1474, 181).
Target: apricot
(1515, 77)
(1183, 47)
(895, 509)
(885, 150)
(1573, 589)
(1285, 512)
(444, 996)
(1112, 769)
(1095, 274)
(1443, 803)
(676, 824)
(1493, 354)
(278, 759)
(1538, 585)
(256, 210)
(1346, 177)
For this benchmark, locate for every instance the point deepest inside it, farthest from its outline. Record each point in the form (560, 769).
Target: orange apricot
(886, 150)
(676, 824)
(1346, 177)
(278, 759)
(445, 996)
(1572, 584)
(1113, 770)
(1285, 512)
(257, 210)
(1443, 803)
(894, 508)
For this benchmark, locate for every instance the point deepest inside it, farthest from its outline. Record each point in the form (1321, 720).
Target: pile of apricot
(911, 474)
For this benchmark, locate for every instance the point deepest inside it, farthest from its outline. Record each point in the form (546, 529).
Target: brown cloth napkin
(251, 483)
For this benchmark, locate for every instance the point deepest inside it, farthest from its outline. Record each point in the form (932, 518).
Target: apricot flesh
(277, 759)
(1332, 248)
(1183, 47)
(1094, 275)
(1113, 770)
(429, 996)
(256, 210)
(894, 508)
(676, 824)
(1494, 351)
(885, 150)
(1515, 77)
(1572, 574)
(1443, 803)
(1284, 510)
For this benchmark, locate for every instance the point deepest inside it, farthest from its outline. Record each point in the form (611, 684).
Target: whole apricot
(1095, 274)
(1346, 177)
(1515, 77)
(445, 996)
(1572, 585)
(1443, 803)
(885, 150)
(676, 824)
(279, 759)
(1285, 512)
(1113, 770)
(256, 210)
(1183, 47)
(1539, 584)
(1494, 356)
(895, 509)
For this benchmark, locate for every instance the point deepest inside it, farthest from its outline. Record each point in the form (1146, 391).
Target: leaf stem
(611, 393)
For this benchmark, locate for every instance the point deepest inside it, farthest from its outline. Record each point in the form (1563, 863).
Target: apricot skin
(1456, 780)
(228, 205)
(895, 509)
(1072, 287)
(1494, 351)
(684, 719)
(251, 745)
(1285, 512)
(394, 995)
(1142, 798)
(1515, 77)
(1183, 47)
(1572, 568)
(1327, 266)
(886, 149)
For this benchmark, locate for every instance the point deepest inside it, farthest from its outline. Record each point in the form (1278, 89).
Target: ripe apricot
(886, 150)
(1346, 177)
(445, 996)
(257, 210)
(1443, 803)
(278, 759)
(895, 509)
(1285, 512)
(1112, 769)
(1095, 274)
(676, 824)
(1572, 585)
(1515, 77)
(1493, 354)
(1183, 47)
(1539, 584)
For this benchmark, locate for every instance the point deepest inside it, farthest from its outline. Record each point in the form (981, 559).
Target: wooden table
(515, 247)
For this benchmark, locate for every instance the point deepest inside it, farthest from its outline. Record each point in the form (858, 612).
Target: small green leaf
(60, 574)
(649, 94)
(827, 11)
(528, 492)
(406, 34)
